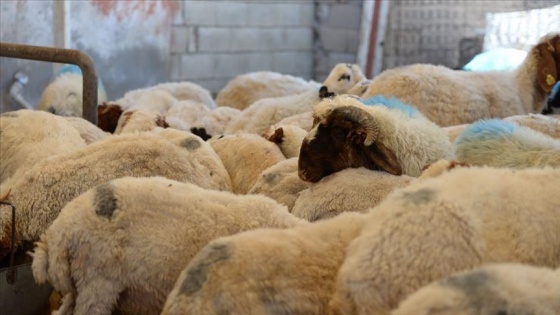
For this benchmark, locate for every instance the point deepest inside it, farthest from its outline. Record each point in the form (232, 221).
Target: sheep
(359, 88)
(108, 115)
(449, 97)
(140, 120)
(281, 183)
(246, 89)
(457, 221)
(440, 167)
(41, 191)
(349, 134)
(180, 91)
(343, 77)
(266, 271)
(354, 189)
(454, 131)
(184, 114)
(88, 131)
(549, 124)
(258, 117)
(245, 157)
(500, 143)
(122, 244)
(63, 96)
(287, 137)
(27, 137)
(215, 121)
(492, 289)
(303, 120)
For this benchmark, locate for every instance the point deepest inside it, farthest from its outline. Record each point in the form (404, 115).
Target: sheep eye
(344, 77)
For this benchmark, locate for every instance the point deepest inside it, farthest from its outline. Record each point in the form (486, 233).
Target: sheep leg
(96, 296)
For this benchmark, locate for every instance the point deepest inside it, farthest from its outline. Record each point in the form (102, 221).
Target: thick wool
(500, 143)
(360, 88)
(489, 290)
(122, 244)
(28, 137)
(180, 91)
(248, 88)
(415, 140)
(287, 137)
(433, 228)
(352, 189)
(448, 97)
(216, 121)
(264, 113)
(547, 124)
(40, 193)
(88, 131)
(183, 114)
(344, 77)
(245, 157)
(281, 183)
(266, 271)
(303, 120)
(64, 97)
(140, 120)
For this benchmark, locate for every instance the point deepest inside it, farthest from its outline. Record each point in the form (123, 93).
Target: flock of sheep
(422, 191)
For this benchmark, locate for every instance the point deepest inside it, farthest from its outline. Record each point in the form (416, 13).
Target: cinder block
(339, 40)
(254, 39)
(200, 12)
(197, 66)
(179, 39)
(232, 13)
(293, 62)
(335, 58)
(175, 67)
(347, 15)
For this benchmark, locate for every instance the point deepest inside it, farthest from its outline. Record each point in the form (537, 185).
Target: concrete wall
(214, 41)
(337, 25)
(429, 31)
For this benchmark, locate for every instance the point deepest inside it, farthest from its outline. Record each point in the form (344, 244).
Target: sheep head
(108, 116)
(345, 138)
(548, 72)
(342, 78)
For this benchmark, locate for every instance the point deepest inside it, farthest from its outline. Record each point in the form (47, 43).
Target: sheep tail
(52, 266)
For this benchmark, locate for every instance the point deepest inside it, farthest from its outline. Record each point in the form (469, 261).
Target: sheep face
(108, 116)
(549, 63)
(342, 78)
(344, 139)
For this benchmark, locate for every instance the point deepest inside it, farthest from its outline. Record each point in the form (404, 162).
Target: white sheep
(547, 124)
(389, 136)
(183, 114)
(459, 220)
(354, 189)
(180, 91)
(343, 77)
(258, 117)
(449, 97)
(132, 121)
(41, 191)
(122, 244)
(88, 131)
(63, 96)
(303, 120)
(500, 143)
(248, 88)
(287, 137)
(245, 157)
(281, 183)
(266, 271)
(28, 137)
(215, 121)
(359, 88)
(492, 289)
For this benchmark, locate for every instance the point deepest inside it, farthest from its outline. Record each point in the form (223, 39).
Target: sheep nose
(324, 91)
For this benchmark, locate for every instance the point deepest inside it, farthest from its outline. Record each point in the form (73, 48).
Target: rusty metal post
(59, 55)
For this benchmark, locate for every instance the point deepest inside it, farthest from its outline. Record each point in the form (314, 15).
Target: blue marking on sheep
(392, 103)
(487, 129)
(75, 69)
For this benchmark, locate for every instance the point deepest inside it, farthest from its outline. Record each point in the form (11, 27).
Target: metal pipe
(16, 90)
(60, 55)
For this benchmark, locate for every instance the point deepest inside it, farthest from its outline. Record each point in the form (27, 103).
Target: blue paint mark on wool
(392, 103)
(487, 129)
(75, 69)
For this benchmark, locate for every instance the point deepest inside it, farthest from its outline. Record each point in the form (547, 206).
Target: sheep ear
(547, 69)
(160, 122)
(277, 137)
(108, 117)
(384, 158)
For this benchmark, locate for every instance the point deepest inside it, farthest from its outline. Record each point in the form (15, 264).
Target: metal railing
(60, 55)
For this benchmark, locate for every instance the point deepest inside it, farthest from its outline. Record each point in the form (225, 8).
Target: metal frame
(60, 55)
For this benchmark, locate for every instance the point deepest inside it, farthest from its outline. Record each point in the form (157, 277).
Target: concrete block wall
(214, 41)
(337, 26)
(430, 31)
